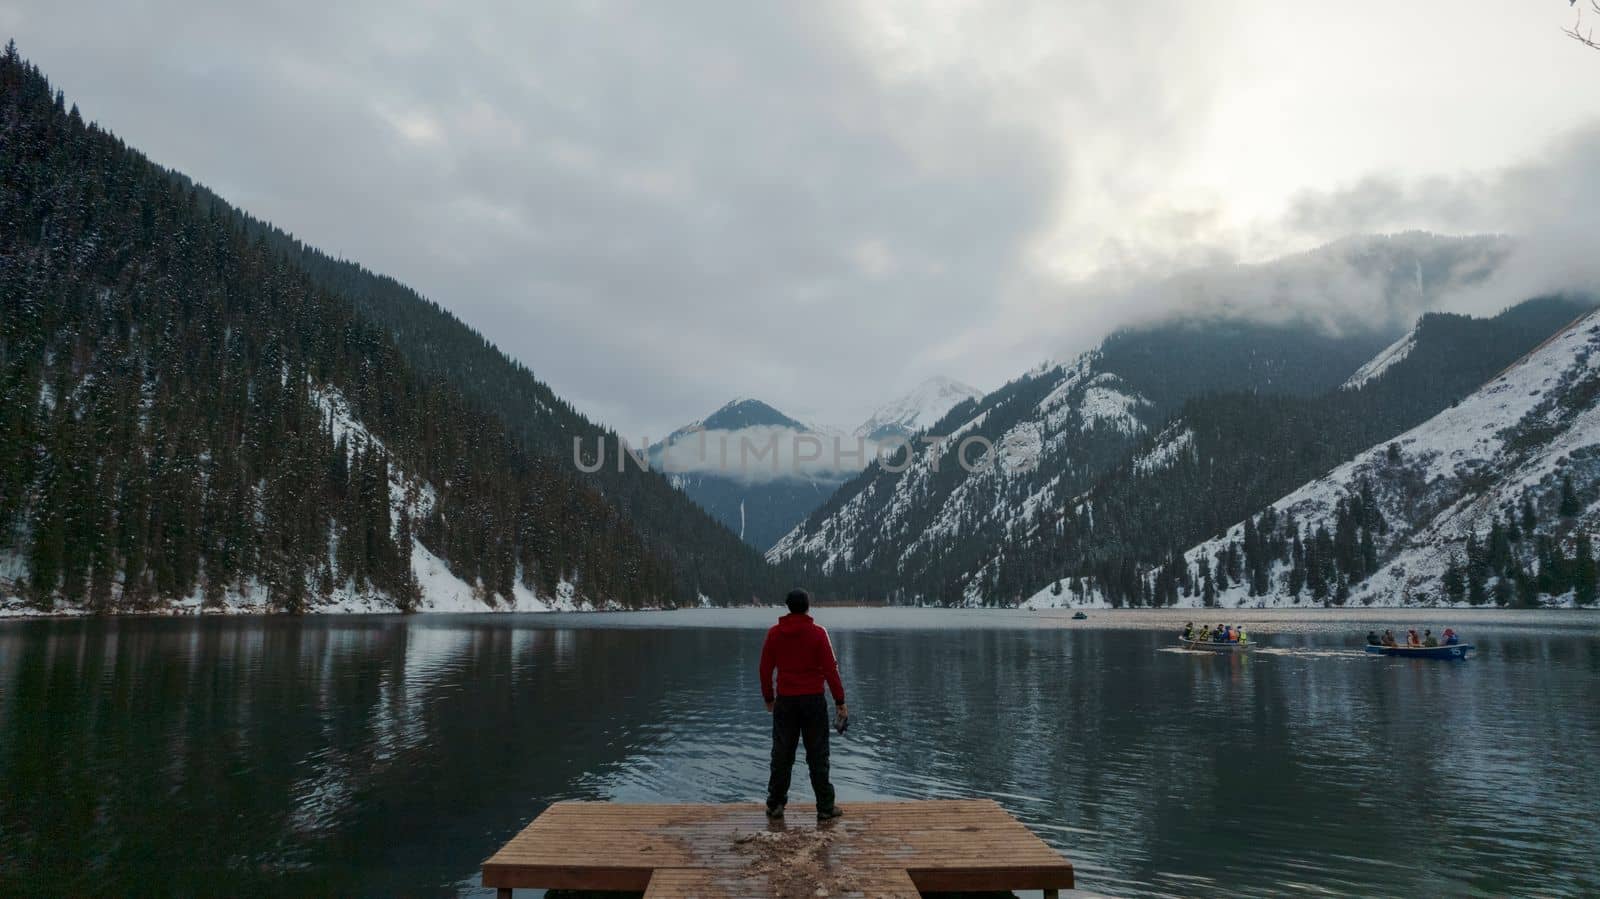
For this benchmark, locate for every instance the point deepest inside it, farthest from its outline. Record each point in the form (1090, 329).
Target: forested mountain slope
(1127, 477)
(706, 557)
(1228, 454)
(1494, 500)
(190, 412)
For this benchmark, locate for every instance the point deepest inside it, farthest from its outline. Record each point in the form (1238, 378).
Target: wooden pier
(878, 849)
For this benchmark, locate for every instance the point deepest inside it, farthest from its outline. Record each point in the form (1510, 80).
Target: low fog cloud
(1549, 204)
(761, 454)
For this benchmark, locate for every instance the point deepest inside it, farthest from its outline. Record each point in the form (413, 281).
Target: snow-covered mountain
(1495, 499)
(1111, 464)
(761, 472)
(926, 531)
(917, 410)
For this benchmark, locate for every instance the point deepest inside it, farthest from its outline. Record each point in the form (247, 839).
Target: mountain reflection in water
(390, 755)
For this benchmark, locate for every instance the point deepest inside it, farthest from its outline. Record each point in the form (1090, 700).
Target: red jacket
(800, 652)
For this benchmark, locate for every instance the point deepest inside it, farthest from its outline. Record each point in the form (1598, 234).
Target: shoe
(828, 814)
(774, 812)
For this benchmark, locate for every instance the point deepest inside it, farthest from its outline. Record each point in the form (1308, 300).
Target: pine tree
(1455, 582)
(1569, 499)
(1476, 593)
(1504, 591)
(1584, 571)
(1297, 567)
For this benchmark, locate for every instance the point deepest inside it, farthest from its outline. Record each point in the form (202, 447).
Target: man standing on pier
(799, 652)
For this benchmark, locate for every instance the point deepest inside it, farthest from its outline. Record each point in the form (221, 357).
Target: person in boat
(796, 662)
(1388, 638)
(1238, 635)
(1428, 639)
(1373, 639)
(1412, 639)
(1451, 638)
(1205, 634)
(1188, 630)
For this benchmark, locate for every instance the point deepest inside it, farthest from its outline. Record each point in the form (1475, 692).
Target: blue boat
(1442, 651)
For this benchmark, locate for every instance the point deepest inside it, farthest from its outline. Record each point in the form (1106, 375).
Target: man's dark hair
(799, 601)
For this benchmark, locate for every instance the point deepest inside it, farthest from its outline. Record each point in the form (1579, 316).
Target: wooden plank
(709, 883)
(684, 883)
(888, 849)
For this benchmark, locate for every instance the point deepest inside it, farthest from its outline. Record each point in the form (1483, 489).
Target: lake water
(389, 756)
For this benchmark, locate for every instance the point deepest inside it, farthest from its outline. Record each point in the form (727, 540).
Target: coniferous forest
(192, 404)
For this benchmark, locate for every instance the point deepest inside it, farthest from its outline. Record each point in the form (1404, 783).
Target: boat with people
(1079, 616)
(1224, 638)
(1419, 646)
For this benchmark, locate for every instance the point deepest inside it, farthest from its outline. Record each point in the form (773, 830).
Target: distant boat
(1442, 651)
(1078, 616)
(1218, 646)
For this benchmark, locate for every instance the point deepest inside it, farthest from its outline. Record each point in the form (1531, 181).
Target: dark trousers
(794, 718)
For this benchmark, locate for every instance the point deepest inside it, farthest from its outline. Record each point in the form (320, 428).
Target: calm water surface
(389, 756)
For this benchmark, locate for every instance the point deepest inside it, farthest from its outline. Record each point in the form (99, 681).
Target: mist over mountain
(761, 472)
(1368, 282)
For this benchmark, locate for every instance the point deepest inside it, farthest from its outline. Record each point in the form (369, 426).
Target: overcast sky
(658, 206)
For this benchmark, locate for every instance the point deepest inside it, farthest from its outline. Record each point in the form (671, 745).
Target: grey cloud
(659, 205)
(1550, 204)
(654, 205)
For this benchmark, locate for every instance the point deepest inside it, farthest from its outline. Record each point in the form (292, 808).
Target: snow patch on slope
(1174, 443)
(1386, 359)
(1104, 402)
(1074, 593)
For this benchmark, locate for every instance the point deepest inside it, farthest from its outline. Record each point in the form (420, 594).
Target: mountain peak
(744, 412)
(919, 409)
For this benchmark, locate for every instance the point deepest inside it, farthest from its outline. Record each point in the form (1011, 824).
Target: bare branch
(1577, 32)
